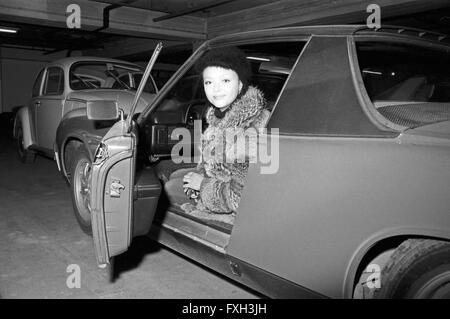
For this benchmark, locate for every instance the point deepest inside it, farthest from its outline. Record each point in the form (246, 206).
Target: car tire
(25, 155)
(418, 269)
(81, 169)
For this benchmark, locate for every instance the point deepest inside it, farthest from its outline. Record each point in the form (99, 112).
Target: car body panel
(332, 183)
(235, 269)
(23, 118)
(48, 116)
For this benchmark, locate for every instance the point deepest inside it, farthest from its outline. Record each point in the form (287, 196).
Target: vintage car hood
(124, 98)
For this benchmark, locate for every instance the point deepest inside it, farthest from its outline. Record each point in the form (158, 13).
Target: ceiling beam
(192, 10)
(113, 49)
(123, 20)
(301, 12)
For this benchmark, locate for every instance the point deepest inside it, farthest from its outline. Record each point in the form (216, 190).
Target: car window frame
(365, 101)
(317, 114)
(130, 67)
(150, 78)
(61, 86)
(40, 76)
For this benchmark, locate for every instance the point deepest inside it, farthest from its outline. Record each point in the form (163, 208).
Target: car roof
(71, 60)
(336, 30)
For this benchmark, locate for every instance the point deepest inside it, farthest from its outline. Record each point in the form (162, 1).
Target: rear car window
(408, 84)
(107, 75)
(54, 84)
(37, 84)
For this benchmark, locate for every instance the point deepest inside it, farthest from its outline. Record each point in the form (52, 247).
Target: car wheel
(25, 155)
(81, 170)
(418, 269)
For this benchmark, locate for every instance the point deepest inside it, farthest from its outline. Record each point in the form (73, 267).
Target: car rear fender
(81, 138)
(23, 119)
(384, 236)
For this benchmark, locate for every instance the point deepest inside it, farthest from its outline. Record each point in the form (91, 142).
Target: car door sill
(208, 234)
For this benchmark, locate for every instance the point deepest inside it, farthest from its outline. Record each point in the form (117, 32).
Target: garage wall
(18, 68)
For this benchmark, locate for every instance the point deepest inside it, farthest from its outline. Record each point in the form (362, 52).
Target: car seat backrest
(415, 88)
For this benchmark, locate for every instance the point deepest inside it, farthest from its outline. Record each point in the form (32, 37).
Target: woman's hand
(192, 180)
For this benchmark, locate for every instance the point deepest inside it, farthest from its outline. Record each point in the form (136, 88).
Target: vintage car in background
(58, 89)
(62, 90)
(357, 201)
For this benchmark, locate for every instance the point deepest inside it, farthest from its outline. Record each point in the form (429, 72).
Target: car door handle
(38, 103)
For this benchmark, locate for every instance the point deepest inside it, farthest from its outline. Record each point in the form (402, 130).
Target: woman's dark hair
(230, 58)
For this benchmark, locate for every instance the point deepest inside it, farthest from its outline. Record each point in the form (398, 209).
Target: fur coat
(224, 157)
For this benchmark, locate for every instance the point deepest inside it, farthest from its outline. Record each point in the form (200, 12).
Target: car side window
(37, 84)
(319, 98)
(408, 84)
(54, 83)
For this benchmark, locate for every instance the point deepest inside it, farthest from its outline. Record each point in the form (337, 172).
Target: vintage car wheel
(418, 269)
(81, 189)
(25, 155)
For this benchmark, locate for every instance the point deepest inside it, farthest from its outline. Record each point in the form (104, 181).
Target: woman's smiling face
(222, 86)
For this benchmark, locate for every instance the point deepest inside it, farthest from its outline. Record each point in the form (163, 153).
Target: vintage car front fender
(24, 120)
(79, 129)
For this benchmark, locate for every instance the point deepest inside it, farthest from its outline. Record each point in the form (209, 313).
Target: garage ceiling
(200, 8)
(141, 23)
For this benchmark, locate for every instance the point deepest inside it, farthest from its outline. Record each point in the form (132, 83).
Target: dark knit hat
(228, 58)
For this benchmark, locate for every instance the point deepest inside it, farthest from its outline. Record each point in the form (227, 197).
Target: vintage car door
(49, 107)
(112, 197)
(35, 101)
(112, 182)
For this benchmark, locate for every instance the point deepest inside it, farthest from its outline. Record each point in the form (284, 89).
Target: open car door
(112, 198)
(113, 180)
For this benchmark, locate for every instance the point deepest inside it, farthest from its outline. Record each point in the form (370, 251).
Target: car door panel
(163, 124)
(48, 116)
(33, 104)
(49, 107)
(112, 202)
(147, 190)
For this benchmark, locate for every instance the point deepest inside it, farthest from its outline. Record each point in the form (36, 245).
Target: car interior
(408, 86)
(186, 103)
(98, 75)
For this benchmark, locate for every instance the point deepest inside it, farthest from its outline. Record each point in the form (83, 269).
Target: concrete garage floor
(40, 238)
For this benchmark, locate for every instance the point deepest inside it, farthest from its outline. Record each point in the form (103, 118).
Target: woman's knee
(179, 173)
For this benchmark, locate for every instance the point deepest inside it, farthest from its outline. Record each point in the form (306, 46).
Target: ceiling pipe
(106, 11)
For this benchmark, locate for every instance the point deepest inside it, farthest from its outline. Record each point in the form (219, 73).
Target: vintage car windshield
(409, 85)
(106, 75)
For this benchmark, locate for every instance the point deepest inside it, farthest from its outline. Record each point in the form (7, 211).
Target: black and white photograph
(224, 154)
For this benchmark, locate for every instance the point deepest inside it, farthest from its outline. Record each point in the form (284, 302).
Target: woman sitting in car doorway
(214, 187)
